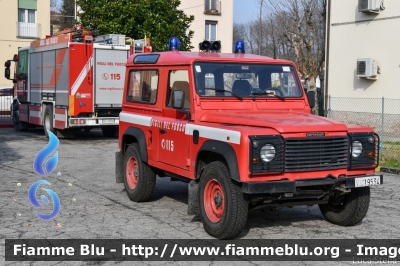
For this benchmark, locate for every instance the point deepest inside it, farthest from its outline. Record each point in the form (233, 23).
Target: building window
(211, 4)
(211, 30)
(212, 7)
(26, 25)
(26, 15)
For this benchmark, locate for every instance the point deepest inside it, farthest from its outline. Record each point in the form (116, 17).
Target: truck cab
(238, 129)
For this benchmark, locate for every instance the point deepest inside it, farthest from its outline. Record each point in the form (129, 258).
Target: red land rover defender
(238, 128)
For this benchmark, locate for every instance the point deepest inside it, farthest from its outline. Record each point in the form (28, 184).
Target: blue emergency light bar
(239, 47)
(173, 44)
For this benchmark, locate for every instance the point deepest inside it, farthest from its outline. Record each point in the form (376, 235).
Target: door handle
(162, 131)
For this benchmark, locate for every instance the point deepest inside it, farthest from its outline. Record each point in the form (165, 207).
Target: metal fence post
(329, 107)
(383, 124)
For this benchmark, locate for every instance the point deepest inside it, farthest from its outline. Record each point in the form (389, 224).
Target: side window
(143, 85)
(179, 80)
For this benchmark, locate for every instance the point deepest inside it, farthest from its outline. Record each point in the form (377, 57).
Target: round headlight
(356, 149)
(267, 153)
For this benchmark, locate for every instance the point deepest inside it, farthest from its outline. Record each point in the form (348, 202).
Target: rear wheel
(139, 178)
(347, 209)
(18, 125)
(48, 120)
(223, 208)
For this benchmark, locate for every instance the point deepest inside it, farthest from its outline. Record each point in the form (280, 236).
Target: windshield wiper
(268, 93)
(222, 90)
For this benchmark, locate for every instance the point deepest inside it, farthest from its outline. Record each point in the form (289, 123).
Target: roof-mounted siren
(210, 46)
(370, 6)
(173, 44)
(239, 47)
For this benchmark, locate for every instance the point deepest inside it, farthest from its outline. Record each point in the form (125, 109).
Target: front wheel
(48, 120)
(347, 209)
(18, 125)
(139, 178)
(223, 208)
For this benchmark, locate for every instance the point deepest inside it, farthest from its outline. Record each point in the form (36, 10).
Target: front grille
(315, 154)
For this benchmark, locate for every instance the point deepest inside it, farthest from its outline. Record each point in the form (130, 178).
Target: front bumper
(274, 187)
(90, 121)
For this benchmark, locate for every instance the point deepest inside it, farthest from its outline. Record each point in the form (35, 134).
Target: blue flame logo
(44, 153)
(35, 202)
(44, 169)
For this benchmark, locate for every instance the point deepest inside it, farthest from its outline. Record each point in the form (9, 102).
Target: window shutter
(27, 4)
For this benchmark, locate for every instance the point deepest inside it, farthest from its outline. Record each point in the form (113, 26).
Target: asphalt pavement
(94, 206)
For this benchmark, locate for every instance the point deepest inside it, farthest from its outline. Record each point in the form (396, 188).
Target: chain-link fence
(382, 114)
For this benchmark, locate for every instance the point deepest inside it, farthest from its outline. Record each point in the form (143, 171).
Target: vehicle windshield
(246, 80)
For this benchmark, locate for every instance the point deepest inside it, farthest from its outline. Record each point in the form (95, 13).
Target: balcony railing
(28, 30)
(212, 7)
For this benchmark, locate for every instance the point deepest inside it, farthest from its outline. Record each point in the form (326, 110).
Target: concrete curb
(390, 170)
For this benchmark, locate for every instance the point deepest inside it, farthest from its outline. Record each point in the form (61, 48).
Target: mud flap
(193, 199)
(67, 133)
(119, 167)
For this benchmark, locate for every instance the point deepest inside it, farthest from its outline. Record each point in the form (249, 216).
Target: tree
(54, 5)
(67, 19)
(301, 24)
(157, 19)
(292, 30)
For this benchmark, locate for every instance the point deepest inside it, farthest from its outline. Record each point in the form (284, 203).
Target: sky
(245, 10)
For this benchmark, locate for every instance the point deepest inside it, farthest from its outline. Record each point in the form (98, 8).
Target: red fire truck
(238, 129)
(70, 81)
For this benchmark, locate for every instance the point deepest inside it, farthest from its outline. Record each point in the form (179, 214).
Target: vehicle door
(173, 142)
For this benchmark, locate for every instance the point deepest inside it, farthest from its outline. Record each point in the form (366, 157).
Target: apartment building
(22, 21)
(213, 20)
(362, 59)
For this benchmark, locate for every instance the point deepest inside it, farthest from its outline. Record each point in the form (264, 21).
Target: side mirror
(311, 98)
(15, 58)
(7, 73)
(7, 65)
(178, 99)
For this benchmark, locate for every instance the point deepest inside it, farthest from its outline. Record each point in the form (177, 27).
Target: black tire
(348, 209)
(47, 120)
(110, 132)
(141, 173)
(234, 206)
(18, 125)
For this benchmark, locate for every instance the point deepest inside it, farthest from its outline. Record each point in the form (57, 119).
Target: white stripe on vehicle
(35, 113)
(60, 117)
(224, 135)
(135, 119)
(82, 76)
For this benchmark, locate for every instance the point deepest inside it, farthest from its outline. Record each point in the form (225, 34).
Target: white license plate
(367, 181)
(108, 121)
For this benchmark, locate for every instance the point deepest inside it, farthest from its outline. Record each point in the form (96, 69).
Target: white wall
(225, 22)
(351, 38)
